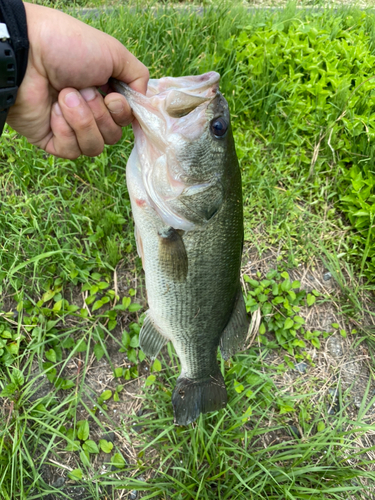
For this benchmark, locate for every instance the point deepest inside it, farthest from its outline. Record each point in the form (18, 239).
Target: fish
(185, 189)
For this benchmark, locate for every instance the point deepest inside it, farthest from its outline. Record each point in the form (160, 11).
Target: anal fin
(150, 339)
(235, 333)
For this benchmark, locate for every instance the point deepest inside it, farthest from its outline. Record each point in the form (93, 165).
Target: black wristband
(12, 13)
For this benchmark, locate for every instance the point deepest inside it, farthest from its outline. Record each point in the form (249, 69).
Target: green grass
(66, 240)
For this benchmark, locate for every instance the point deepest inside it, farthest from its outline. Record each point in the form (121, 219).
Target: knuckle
(72, 156)
(85, 124)
(68, 154)
(114, 137)
(93, 149)
(146, 73)
(93, 153)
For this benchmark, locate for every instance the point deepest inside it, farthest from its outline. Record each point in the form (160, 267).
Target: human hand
(58, 106)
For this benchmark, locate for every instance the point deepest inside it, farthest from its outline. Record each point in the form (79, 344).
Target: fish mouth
(172, 115)
(168, 99)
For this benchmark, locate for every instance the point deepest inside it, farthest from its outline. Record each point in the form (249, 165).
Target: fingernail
(57, 109)
(116, 107)
(72, 99)
(88, 94)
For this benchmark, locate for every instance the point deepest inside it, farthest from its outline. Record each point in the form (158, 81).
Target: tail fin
(192, 397)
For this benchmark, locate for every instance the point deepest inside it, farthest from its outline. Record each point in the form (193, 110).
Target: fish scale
(192, 266)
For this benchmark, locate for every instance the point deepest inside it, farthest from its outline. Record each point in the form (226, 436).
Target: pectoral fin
(172, 254)
(150, 339)
(235, 333)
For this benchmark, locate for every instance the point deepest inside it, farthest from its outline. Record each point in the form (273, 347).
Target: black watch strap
(8, 75)
(14, 49)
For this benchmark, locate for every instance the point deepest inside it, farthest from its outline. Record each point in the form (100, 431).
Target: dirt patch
(342, 374)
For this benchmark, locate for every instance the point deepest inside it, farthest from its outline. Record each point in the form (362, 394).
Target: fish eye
(219, 127)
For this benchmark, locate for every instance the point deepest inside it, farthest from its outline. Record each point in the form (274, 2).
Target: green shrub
(308, 81)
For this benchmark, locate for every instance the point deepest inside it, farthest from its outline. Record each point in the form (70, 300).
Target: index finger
(128, 69)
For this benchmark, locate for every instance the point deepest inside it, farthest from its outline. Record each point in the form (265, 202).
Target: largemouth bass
(185, 190)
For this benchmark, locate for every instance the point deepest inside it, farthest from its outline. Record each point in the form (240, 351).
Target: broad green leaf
(66, 384)
(310, 299)
(68, 343)
(17, 377)
(150, 380)
(112, 324)
(48, 295)
(278, 300)
(83, 430)
(135, 307)
(125, 340)
(8, 390)
(51, 355)
(247, 414)
(315, 342)
(90, 446)
(106, 395)
(132, 356)
(58, 305)
(126, 301)
(98, 351)
(75, 474)
(285, 408)
(102, 285)
(81, 346)
(238, 387)
(156, 366)
(321, 426)
(118, 461)
(98, 304)
(105, 445)
(286, 285)
(73, 446)
(288, 323)
(134, 342)
(90, 299)
(51, 374)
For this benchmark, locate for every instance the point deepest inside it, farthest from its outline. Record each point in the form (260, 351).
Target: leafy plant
(280, 301)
